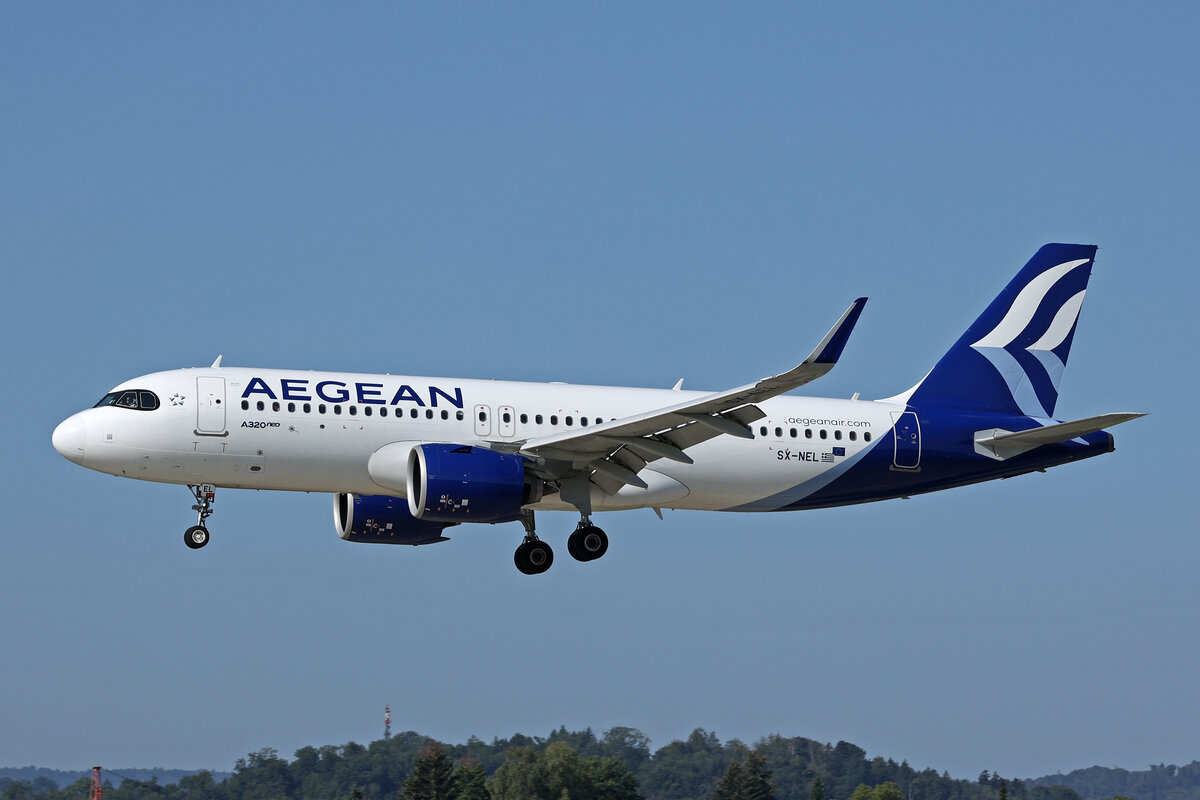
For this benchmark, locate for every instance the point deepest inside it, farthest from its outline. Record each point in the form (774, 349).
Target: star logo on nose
(177, 399)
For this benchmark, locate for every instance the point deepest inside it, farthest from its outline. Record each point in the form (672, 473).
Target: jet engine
(383, 520)
(460, 483)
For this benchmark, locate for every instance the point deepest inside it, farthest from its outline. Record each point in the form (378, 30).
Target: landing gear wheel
(587, 543)
(196, 537)
(533, 557)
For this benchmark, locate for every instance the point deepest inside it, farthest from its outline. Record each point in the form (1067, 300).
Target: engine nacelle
(382, 520)
(460, 483)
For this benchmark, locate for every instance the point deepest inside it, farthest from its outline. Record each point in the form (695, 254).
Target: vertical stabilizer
(1012, 358)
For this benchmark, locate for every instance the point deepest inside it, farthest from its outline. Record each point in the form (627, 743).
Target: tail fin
(1012, 358)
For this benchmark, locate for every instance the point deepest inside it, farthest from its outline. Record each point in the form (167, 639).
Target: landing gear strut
(533, 556)
(196, 536)
(588, 542)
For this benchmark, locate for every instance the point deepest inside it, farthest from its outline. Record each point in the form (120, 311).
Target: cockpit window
(138, 399)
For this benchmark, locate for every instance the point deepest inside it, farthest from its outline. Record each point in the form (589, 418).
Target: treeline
(1159, 782)
(571, 765)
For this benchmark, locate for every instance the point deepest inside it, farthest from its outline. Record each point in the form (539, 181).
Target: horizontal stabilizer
(1001, 444)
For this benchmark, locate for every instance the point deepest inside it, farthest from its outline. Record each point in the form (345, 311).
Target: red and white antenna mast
(387, 722)
(97, 792)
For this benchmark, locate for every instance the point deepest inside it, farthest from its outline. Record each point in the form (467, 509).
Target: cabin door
(210, 406)
(906, 433)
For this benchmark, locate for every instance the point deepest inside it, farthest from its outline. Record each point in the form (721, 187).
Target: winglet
(830, 348)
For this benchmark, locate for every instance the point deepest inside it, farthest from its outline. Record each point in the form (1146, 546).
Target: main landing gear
(196, 536)
(534, 556)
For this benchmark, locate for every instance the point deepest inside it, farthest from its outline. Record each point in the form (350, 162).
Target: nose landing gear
(196, 536)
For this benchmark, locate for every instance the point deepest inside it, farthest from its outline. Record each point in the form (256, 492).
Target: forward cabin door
(210, 406)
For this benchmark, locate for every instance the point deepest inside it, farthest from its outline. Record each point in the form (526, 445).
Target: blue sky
(616, 194)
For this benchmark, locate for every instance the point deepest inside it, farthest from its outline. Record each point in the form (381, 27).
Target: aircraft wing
(615, 451)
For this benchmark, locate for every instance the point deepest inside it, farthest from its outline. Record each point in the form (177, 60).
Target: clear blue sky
(622, 194)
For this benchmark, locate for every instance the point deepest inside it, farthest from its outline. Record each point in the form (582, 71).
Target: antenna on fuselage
(217, 363)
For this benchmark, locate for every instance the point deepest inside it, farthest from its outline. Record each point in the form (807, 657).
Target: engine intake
(460, 483)
(381, 519)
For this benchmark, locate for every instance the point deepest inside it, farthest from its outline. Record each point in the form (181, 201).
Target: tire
(573, 547)
(539, 556)
(521, 559)
(593, 542)
(196, 537)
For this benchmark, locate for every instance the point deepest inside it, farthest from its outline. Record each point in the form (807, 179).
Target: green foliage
(472, 782)
(616, 765)
(558, 773)
(750, 780)
(432, 776)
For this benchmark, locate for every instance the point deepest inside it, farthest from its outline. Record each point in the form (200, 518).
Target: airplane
(407, 457)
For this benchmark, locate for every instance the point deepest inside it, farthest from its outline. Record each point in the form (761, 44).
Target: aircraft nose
(69, 438)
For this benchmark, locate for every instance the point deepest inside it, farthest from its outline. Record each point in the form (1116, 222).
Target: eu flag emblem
(839, 451)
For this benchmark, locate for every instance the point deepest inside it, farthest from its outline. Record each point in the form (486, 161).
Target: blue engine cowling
(382, 519)
(459, 483)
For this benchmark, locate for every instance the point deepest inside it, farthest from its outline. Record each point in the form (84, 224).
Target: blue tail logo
(1012, 358)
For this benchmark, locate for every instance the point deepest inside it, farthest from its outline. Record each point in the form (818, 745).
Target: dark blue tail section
(1011, 360)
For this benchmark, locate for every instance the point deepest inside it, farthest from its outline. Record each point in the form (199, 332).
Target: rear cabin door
(906, 433)
(210, 406)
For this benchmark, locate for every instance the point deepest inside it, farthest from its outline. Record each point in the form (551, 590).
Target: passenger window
(291, 407)
(792, 433)
(808, 433)
(524, 418)
(762, 431)
(569, 420)
(275, 406)
(458, 415)
(538, 419)
(837, 435)
(483, 416)
(413, 413)
(554, 419)
(353, 411)
(853, 436)
(779, 433)
(260, 405)
(367, 411)
(867, 436)
(337, 409)
(445, 414)
(824, 434)
(383, 411)
(429, 413)
(507, 417)
(321, 408)
(307, 408)
(583, 421)
(245, 405)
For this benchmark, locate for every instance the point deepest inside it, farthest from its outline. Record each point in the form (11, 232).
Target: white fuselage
(310, 431)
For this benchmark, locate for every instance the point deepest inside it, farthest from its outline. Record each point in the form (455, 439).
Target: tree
(732, 783)
(817, 792)
(432, 776)
(759, 785)
(472, 782)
